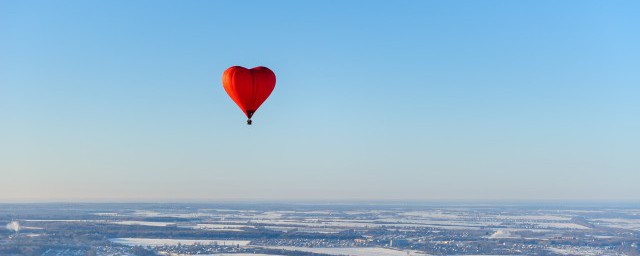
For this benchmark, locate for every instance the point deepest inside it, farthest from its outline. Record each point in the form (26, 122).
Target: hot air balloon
(248, 88)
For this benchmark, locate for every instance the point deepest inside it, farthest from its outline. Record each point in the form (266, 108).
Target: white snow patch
(502, 234)
(352, 251)
(163, 242)
(144, 223)
(561, 225)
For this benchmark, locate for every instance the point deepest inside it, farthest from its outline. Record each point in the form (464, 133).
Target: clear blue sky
(413, 100)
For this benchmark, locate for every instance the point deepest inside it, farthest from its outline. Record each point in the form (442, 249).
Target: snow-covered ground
(145, 213)
(533, 217)
(144, 223)
(161, 242)
(352, 251)
(108, 214)
(632, 224)
(369, 224)
(560, 225)
(219, 226)
(583, 250)
(500, 234)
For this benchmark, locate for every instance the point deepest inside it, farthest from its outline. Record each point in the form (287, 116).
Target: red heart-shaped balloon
(248, 88)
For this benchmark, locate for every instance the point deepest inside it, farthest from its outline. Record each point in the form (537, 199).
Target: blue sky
(388, 100)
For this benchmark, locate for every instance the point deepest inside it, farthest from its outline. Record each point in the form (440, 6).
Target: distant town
(354, 229)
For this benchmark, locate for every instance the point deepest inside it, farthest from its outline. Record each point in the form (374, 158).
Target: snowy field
(532, 217)
(351, 251)
(162, 242)
(631, 224)
(219, 227)
(583, 250)
(561, 225)
(144, 223)
(146, 213)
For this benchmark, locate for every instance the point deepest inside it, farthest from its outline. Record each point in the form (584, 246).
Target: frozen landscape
(358, 229)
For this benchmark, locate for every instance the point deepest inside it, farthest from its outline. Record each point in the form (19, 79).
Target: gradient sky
(409, 100)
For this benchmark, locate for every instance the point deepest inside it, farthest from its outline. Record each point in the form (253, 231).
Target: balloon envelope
(248, 88)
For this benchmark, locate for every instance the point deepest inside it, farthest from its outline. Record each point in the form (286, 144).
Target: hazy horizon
(424, 100)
